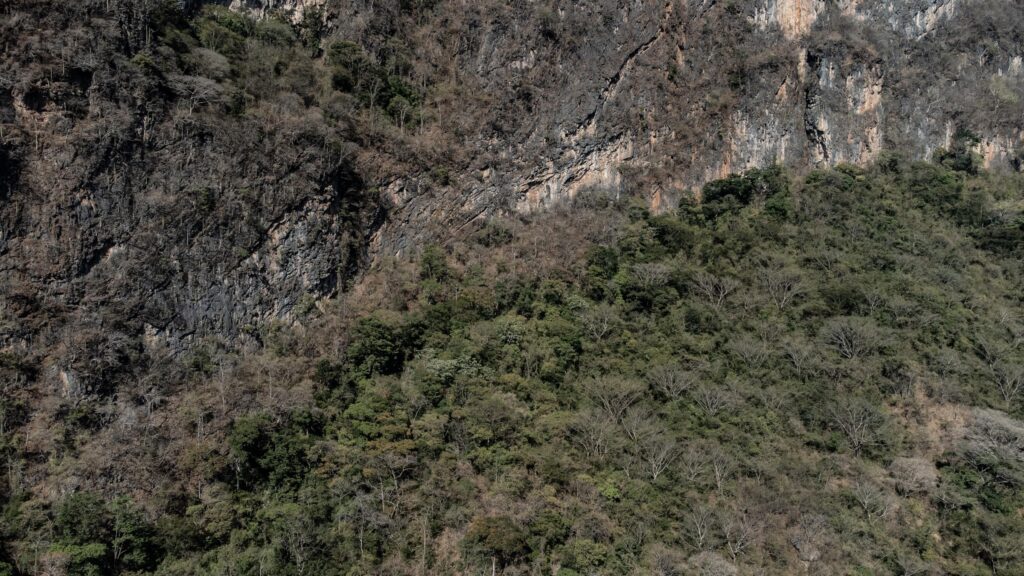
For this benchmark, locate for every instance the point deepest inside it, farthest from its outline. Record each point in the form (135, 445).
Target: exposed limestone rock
(1000, 150)
(926, 20)
(295, 9)
(794, 17)
(1016, 66)
(647, 97)
(596, 169)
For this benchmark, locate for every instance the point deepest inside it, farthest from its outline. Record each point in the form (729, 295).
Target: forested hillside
(511, 287)
(817, 374)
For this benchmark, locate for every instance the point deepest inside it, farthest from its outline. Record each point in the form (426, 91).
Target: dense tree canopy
(819, 373)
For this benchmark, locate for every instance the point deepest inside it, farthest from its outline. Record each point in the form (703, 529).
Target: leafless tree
(911, 565)
(808, 537)
(293, 533)
(197, 90)
(722, 467)
(376, 85)
(914, 474)
(851, 336)
(827, 260)
(874, 299)
(599, 321)
(752, 351)
(223, 387)
(672, 380)
(151, 399)
(659, 451)
(800, 354)
(715, 289)
(772, 398)
(127, 420)
(592, 432)
(614, 394)
(708, 563)
(711, 399)
(362, 514)
(991, 350)
(299, 539)
(1008, 379)
(11, 380)
(859, 421)
(638, 423)
(994, 441)
(664, 561)
(875, 503)
(901, 380)
(946, 362)
(699, 524)
(402, 107)
(3, 420)
(694, 463)
(384, 473)
(740, 532)
(782, 284)
(652, 275)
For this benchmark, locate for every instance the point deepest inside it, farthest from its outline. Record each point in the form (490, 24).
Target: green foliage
(961, 157)
(739, 190)
(626, 412)
(377, 347)
(433, 264)
(350, 65)
(133, 544)
(274, 32)
(83, 559)
(82, 518)
(96, 537)
(263, 451)
(499, 537)
(493, 234)
(223, 30)
(672, 233)
(232, 63)
(376, 86)
(584, 555)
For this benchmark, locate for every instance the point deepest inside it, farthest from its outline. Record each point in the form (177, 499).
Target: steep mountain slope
(126, 196)
(660, 97)
(514, 106)
(819, 375)
(216, 351)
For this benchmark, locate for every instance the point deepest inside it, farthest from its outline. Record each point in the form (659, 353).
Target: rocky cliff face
(137, 211)
(117, 196)
(294, 10)
(657, 98)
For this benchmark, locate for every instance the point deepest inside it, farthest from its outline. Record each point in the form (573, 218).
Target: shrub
(736, 191)
(914, 474)
(376, 347)
(500, 537)
(82, 518)
(852, 336)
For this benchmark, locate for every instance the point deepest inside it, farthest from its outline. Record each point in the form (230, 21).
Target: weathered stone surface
(184, 227)
(670, 95)
(294, 9)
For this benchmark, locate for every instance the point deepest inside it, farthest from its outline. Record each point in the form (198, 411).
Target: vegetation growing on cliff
(801, 373)
(818, 373)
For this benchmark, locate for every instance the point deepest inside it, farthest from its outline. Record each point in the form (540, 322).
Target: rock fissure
(610, 90)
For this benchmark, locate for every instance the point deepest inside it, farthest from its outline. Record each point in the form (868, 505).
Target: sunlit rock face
(693, 90)
(293, 9)
(525, 109)
(671, 95)
(793, 17)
